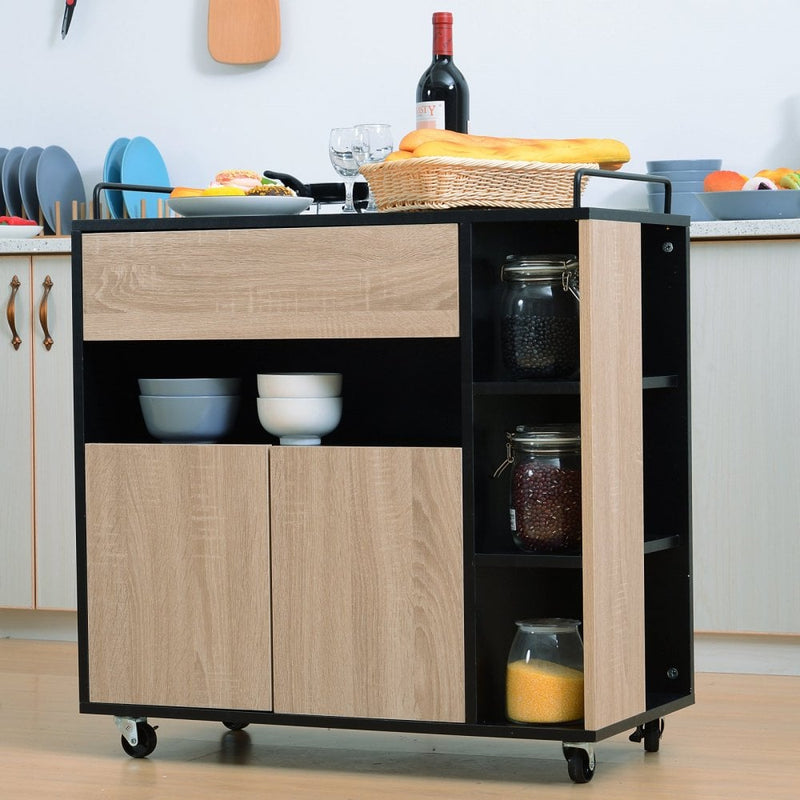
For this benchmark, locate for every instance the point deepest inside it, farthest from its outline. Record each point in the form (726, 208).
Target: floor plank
(735, 743)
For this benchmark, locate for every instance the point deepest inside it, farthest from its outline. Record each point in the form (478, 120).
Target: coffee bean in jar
(545, 488)
(539, 327)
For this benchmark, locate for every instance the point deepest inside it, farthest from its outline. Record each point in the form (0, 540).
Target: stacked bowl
(686, 177)
(189, 410)
(299, 407)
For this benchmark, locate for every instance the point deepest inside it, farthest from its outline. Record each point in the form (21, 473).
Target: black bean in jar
(536, 346)
(546, 505)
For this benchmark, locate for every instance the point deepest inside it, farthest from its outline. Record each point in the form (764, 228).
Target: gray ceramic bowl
(682, 186)
(189, 419)
(671, 165)
(682, 175)
(194, 387)
(682, 203)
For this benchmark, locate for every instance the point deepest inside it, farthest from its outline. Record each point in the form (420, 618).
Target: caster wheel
(235, 726)
(147, 741)
(652, 735)
(579, 765)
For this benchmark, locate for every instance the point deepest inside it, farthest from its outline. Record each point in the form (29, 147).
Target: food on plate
(222, 191)
(758, 184)
(775, 175)
(723, 180)
(273, 189)
(241, 178)
(791, 180)
(609, 153)
(185, 191)
(6, 220)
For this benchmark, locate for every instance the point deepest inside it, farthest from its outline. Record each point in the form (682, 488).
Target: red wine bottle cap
(442, 18)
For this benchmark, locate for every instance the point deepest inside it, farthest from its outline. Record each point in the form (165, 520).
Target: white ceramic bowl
(299, 420)
(189, 419)
(189, 387)
(300, 384)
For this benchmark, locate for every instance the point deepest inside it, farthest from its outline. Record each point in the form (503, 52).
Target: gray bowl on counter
(197, 420)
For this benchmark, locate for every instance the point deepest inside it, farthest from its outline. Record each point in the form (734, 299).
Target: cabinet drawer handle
(11, 313)
(48, 285)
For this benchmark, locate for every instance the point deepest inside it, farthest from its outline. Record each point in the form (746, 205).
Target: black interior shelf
(560, 387)
(562, 561)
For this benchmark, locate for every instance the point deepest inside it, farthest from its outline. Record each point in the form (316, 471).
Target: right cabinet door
(367, 566)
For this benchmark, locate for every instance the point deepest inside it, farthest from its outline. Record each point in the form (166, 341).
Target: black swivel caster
(580, 761)
(649, 733)
(143, 743)
(235, 726)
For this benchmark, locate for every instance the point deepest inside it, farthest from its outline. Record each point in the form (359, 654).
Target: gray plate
(58, 180)
(10, 178)
(756, 204)
(27, 181)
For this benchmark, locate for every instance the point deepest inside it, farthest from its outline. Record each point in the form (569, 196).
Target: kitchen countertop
(745, 228)
(39, 244)
(728, 229)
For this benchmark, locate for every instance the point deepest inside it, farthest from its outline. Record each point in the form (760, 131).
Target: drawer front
(296, 283)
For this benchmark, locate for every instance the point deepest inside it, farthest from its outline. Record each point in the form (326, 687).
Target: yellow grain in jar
(542, 691)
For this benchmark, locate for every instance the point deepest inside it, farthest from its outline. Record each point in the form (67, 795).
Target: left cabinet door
(54, 439)
(16, 437)
(178, 575)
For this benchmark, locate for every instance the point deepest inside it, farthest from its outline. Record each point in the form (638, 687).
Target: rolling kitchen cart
(372, 582)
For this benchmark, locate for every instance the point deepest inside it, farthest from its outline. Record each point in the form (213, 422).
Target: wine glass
(371, 143)
(340, 150)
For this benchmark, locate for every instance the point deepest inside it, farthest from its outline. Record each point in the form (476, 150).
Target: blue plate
(143, 165)
(10, 178)
(58, 180)
(27, 181)
(112, 173)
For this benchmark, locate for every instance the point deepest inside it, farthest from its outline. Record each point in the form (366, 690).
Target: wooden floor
(740, 740)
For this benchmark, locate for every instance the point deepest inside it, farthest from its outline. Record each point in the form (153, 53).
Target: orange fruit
(724, 180)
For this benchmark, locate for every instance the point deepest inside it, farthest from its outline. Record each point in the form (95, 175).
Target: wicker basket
(414, 184)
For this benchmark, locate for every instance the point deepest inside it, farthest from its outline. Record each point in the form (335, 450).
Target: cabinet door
(54, 474)
(16, 449)
(368, 610)
(307, 283)
(178, 576)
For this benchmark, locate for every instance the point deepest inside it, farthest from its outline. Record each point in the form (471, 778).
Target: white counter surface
(745, 228)
(39, 244)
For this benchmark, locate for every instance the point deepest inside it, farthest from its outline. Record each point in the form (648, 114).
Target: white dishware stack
(299, 407)
(686, 178)
(189, 410)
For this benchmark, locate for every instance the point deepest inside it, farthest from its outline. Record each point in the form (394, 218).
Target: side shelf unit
(387, 548)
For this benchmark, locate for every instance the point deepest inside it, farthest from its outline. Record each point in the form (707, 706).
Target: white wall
(678, 78)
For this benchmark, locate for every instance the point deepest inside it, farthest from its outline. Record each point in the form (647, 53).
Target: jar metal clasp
(507, 463)
(569, 283)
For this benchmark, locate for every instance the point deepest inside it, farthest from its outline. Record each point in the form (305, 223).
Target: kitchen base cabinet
(386, 584)
(37, 492)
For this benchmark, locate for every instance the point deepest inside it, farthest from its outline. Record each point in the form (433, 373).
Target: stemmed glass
(371, 143)
(340, 150)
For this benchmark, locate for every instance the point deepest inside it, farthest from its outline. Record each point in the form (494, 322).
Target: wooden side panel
(348, 282)
(16, 437)
(367, 570)
(178, 575)
(611, 429)
(55, 459)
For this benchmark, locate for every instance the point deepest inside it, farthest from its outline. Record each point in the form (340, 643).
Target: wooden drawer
(295, 283)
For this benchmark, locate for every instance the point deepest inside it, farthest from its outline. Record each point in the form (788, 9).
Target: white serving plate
(19, 231)
(238, 205)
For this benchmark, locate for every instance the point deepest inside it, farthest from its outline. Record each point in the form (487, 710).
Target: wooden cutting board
(244, 31)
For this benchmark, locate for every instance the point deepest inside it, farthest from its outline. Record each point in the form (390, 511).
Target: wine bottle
(442, 91)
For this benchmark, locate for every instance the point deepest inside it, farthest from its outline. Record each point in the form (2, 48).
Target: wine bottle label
(430, 114)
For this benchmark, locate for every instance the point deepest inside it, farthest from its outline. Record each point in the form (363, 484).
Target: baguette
(610, 153)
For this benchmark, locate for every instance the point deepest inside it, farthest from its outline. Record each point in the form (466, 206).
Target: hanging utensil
(69, 9)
